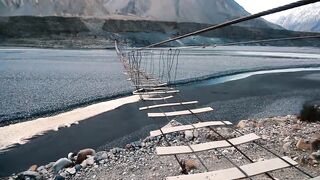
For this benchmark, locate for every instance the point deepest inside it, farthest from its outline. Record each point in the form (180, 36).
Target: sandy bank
(20, 133)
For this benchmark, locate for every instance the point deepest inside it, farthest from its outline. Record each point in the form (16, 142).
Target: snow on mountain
(200, 11)
(306, 18)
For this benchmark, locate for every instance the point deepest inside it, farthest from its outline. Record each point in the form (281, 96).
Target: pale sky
(255, 6)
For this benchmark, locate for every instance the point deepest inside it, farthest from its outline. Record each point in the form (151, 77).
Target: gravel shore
(138, 160)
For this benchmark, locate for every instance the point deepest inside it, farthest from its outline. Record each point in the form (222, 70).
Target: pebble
(29, 174)
(60, 164)
(188, 134)
(33, 168)
(71, 171)
(286, 146)
(90, 160)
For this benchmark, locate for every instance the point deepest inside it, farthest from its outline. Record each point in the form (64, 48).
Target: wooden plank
(225, 174)
(155, 92)
(244, 139)
(188, 127)
(168, 105)
(158, 88)
(180, 113)
(267, 165)
(163, 151)
(152, 85)
(156, 99)
(252, 169)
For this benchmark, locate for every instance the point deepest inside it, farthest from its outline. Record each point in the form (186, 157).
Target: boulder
(303, 145)
(60, 164)
(83, 154)
(33, 168)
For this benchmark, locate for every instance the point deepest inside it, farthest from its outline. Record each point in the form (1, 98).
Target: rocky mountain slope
(204, 11)
(79, 32)
(305, 18)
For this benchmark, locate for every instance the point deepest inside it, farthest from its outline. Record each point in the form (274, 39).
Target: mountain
(203, 11)
(306, 18)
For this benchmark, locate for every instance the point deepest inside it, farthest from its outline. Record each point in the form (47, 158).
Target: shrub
(310, 113)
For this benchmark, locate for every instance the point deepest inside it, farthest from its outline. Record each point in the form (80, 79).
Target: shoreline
(249, 96)
(16, 134)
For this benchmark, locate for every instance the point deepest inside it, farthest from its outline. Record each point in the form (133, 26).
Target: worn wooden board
(180, 113)
(156, 99)
(155, 92)
(188, 127)
(252, 169)
(168, 105)
(172, 150)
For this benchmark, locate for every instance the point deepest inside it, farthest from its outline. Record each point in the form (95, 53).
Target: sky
(255, 6)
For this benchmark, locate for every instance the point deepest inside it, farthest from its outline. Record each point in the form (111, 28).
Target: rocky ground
(287, 136)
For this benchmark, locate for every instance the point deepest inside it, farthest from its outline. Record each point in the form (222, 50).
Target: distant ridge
(305, 18)
(204, 11)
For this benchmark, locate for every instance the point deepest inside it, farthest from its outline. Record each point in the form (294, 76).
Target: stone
(48, 166)
(195, 134)
(78, 167)
(71, 171)
(248, 123)
(102, 155)
(33, 168)
(189, 165)
(72, 156)
(265, 137)
(315, 155)
(59, 177)
(128, 146)
(30, 174)
(90, 160)
(287, 139)
(115, 150)
(188, 134)
(83, 154)
(60, 164)
(315, 145)
(242, 124)
(286, 146)
(303, 145)
(296, 127)
(172, 123)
